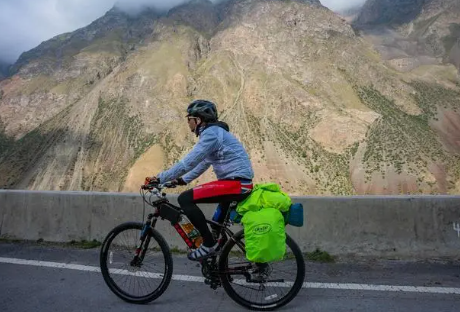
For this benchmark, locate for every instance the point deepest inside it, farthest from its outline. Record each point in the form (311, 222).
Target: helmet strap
(198, 127)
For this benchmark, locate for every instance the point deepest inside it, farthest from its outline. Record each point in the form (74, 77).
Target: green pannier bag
(264, 235)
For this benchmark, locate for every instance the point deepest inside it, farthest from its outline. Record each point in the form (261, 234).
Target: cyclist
(216, 146)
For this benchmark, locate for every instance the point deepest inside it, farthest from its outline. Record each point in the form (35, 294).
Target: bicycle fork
(144, 240)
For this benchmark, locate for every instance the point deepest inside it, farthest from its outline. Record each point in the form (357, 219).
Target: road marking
(189, 278)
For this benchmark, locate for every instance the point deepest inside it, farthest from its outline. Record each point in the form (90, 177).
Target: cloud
(339, 5)
(134, 7)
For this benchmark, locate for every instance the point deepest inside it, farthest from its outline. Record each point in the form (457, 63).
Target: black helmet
(206, 110)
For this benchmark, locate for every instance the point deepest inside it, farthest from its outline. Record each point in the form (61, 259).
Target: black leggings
(196, 216)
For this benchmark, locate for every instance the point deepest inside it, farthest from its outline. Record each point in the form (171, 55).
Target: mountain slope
(413, 33)
(318, 110)
(393, 12)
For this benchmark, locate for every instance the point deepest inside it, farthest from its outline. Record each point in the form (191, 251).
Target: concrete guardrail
(418, 227)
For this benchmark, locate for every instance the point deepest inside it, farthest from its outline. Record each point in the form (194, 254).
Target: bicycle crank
(210, 273)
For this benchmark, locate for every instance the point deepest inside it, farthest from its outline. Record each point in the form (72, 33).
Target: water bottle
(192, 233)
(217, 213)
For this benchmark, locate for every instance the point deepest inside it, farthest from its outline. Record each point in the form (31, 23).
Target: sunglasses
(190, 118)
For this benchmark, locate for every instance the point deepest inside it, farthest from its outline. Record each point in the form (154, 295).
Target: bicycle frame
(165, 210)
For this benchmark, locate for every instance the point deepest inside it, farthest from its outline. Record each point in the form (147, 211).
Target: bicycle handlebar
(158, 186)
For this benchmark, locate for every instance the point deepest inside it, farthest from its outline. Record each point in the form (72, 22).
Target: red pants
(221, 188)
(223, 192)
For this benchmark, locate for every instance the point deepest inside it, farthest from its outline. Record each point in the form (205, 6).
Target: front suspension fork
(144, 240)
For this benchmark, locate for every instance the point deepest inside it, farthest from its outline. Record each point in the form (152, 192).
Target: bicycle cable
(143, 205)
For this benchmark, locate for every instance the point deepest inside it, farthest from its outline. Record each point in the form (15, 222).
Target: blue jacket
(217, 147)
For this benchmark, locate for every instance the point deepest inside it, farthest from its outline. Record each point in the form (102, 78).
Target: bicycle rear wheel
(138, 281)
(270, 285)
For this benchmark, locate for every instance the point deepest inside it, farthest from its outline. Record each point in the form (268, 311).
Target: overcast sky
(24, 24)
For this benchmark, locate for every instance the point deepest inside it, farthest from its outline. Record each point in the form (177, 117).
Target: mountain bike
(137, 265)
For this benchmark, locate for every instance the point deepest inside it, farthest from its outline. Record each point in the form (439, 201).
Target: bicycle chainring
(210, 272)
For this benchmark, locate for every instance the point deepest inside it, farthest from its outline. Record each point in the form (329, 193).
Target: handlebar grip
(148, 186)
(170, 185)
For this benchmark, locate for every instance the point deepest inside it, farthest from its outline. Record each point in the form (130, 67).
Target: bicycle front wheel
(261, 286)
(138, 281)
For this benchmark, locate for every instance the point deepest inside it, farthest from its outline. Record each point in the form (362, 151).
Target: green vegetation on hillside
(22, 155)
(119, 139)
(431, 96)
(329, 170)
(5, 141)
(402, 140)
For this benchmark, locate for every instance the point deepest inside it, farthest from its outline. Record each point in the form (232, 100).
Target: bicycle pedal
(214, 284)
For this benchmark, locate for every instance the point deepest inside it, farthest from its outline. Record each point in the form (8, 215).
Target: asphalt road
(69, 281)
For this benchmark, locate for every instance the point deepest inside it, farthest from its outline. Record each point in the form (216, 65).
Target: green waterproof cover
(264, 235)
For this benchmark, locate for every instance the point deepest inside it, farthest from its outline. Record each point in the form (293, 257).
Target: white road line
(189, 278)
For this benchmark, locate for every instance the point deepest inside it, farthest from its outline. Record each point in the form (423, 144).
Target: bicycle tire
(168, 262)
(227, 280)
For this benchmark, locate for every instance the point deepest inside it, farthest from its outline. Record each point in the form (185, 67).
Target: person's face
(193, 122)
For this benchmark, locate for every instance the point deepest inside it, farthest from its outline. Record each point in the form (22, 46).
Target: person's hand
(179, 181)
(151, 180)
